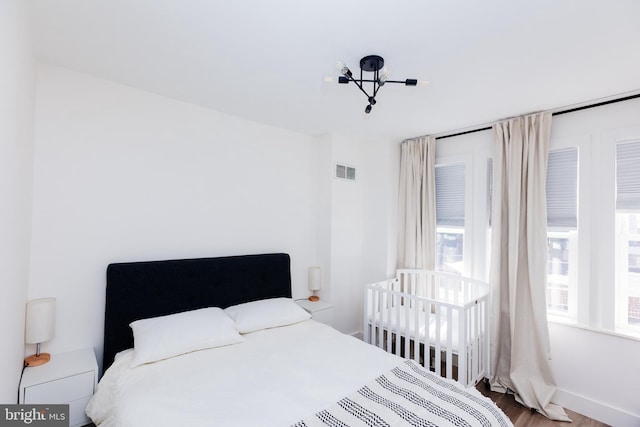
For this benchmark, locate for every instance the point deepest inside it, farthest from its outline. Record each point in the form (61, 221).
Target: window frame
(621, 257)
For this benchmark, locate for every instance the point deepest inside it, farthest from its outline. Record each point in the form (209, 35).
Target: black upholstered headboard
(138, 290)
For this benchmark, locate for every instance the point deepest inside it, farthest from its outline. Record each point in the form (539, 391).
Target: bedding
(410, 395)
(275, 377)
(163, 337)
(268, 313)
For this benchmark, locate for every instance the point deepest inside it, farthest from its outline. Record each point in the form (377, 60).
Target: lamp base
(314, 298)
(35, 360)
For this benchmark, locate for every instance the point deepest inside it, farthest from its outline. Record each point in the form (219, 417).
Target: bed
(303, 373)
(438, 319)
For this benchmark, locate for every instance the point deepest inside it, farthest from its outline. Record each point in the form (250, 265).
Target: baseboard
(596, 410)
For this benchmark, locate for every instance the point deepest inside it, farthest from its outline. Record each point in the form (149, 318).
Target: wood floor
(523, 417)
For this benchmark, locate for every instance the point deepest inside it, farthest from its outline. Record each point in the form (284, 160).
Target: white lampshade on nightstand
(39, 327)
(314, 282)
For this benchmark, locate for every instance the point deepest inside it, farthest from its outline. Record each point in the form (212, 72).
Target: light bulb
(384, 76)
(344, 70)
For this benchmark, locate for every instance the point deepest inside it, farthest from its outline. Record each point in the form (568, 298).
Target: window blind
(562, 188)
(450, 194)
(628, 175)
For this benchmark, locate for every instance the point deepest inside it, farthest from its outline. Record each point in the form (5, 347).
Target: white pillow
(267, 313)
(163, 337)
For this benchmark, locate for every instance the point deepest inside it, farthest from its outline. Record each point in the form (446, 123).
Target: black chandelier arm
(359, 84)
(376, 86)
(404, 82)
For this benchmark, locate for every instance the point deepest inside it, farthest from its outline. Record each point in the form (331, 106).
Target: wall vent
(345, 172)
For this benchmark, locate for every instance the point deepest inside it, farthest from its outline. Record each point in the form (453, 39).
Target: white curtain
(417, 207)
(520, 356)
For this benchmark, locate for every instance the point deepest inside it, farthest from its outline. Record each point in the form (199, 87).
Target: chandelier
(372, 64)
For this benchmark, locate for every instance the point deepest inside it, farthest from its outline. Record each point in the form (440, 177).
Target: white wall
(356, 221)
(347, 231)
(596, 372)
(124, 175)
(16, 174)
(381, 175)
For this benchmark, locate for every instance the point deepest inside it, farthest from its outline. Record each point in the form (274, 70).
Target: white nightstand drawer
(63, 390)
(77, 416)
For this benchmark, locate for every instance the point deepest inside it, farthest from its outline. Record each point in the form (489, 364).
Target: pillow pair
(164, 337)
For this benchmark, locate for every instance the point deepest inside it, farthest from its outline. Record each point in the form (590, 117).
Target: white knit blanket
(410, 395)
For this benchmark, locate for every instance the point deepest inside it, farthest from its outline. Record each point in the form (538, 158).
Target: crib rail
(438, 319)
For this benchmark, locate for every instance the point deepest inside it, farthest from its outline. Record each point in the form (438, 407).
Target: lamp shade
(40, 320)
(315, 278)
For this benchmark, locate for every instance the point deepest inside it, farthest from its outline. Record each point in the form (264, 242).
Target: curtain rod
(556, 113)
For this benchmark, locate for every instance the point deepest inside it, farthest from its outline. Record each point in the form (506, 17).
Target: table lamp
(315, 282)
(39, 327)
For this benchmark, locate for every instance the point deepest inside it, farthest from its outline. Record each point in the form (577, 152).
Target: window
(628, 235)
(562, 235)
(450, 217)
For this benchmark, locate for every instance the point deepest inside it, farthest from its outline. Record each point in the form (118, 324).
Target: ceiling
(267, 60)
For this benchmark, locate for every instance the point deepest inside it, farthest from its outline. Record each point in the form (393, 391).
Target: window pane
(562, 184)
(449, 254)
(628, 235)
(558, 273)
(450, 194)
(630, 268)
(628, 176)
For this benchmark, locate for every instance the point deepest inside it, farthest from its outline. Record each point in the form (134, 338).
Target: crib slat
(449, 356)
(367, 313)
(462, 346)
(436, 338)
(416, 331)
(474, 358)
(379, 304)
(396, 306)
(407, 322)
(428, 315)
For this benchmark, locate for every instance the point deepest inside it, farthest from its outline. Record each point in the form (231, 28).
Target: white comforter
(275, 378)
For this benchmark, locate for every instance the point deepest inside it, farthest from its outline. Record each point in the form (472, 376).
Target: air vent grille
(345, 172)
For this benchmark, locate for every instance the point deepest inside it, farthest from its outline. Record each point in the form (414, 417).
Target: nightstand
(320, 311)
(67, 378)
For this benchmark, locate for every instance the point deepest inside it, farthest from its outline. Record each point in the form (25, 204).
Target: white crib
(438, 319)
